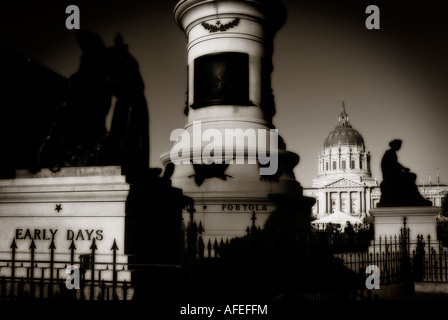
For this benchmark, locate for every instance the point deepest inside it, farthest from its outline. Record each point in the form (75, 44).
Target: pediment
(344, 183)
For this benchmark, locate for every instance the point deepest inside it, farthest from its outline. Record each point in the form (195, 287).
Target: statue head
(123, 78)
(395, 144)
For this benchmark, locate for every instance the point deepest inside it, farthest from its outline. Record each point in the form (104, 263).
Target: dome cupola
(343, 133)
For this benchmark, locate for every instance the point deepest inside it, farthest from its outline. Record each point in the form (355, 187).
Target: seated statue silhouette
(78, 136)
(398, 187)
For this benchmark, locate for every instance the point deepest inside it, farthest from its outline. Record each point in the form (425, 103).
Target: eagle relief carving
(209, 170)
(218, 26)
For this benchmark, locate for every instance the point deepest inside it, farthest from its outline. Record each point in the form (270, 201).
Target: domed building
(344, 181)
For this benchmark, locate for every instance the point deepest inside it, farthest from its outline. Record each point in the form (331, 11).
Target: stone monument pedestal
(77, 205)
(420, 220)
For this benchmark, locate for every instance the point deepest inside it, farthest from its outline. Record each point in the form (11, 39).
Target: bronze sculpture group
(78, 137)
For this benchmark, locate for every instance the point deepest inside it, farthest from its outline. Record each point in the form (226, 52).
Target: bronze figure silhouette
(398, 187)
(79, 136)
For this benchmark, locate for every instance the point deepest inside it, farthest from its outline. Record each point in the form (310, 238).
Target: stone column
(340, 200)
(326, 202)
(229, 66)
(350, 201)
(368, 200)
(365, 201)
(361, 207)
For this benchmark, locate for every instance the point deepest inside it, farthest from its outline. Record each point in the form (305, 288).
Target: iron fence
(319, 265)
(29, 275)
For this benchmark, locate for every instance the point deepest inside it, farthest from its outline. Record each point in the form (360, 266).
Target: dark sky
(394, 80)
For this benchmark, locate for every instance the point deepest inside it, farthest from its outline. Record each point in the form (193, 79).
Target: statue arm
(390, 164)
(399, 166)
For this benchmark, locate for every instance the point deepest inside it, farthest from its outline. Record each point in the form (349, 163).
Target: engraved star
(58, 207)
(218, 22)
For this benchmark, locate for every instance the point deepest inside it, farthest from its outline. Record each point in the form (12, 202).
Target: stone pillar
(350, 201)
(361, 206)
(368, 200)
(365, 202)
(229, 61)
(340, 200)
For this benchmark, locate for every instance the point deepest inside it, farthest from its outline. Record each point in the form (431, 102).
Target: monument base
(421, 221)
(76, 206)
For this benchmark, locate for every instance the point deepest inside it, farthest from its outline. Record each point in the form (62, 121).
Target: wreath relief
(220, 27)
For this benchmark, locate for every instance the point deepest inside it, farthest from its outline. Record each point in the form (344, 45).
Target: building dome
(344, 181)
(344, 134)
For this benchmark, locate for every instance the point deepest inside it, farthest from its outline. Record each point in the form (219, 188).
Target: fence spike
(52, 245)
(72, 245)
(114, 246)
(32, 245)
(93, 246)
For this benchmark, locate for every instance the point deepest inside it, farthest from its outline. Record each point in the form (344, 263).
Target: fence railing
(44, 275)
(321, 265)
(398, 257)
